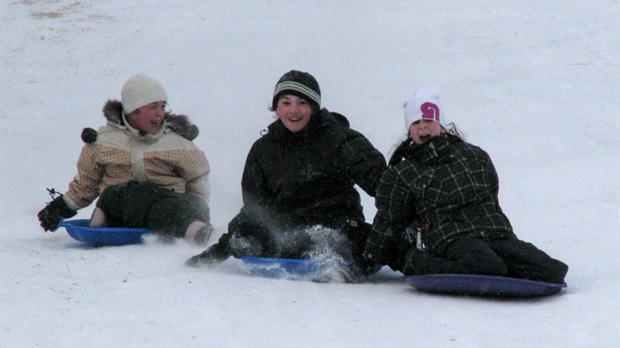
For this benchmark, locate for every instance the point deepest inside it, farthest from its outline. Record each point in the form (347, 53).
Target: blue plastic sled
(99, 236)
(482, 285)
(283, 268)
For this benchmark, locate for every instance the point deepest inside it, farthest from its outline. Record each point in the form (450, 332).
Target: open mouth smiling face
(423, 130)
(149, 118)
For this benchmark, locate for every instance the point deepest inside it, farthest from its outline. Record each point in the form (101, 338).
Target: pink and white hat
(424, 104)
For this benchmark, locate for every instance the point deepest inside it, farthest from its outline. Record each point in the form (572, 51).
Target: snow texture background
(534, 83)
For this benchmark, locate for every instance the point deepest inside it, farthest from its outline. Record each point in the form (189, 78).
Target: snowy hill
(534, 83)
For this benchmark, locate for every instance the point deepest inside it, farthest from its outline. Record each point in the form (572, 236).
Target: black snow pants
(246, 238)
(163, 211)
(507, 257)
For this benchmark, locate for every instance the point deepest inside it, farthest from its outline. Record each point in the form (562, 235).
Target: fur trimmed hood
(180, 124)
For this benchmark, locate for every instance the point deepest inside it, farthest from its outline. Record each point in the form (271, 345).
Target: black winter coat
(307, 178)
(447, 185)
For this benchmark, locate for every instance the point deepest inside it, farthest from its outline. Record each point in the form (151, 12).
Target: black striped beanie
(298, 83)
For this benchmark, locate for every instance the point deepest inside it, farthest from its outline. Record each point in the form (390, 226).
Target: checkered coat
(446, 186)
(120, 154)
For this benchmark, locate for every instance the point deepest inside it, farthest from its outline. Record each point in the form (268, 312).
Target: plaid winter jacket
(448, 187)
(121, 154)
(307, 178)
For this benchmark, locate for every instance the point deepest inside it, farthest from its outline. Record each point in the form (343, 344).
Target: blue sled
(482, 285)
(100, 236)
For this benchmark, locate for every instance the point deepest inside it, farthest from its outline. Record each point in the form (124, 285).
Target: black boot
(215, 254)
(355, 274)
(416, 262)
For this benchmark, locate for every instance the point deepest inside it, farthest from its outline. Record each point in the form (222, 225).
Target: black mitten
(55, 211)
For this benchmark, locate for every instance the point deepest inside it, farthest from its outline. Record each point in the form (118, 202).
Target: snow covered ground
(535, 83)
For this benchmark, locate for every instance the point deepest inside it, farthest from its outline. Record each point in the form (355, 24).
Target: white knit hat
(141, 90)
(424, 104)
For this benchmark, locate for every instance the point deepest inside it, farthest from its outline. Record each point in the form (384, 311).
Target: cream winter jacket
(120, 154)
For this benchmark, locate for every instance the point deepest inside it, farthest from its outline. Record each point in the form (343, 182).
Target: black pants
(247, 238)
(146, 205)
(509, 257)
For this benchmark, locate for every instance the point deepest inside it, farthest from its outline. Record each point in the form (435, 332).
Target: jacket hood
(334, 118)
(180, 124)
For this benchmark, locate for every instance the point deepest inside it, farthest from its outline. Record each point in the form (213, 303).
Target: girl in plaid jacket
(438, 209)
(143, 167)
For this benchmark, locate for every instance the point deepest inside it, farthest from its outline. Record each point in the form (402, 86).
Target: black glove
(55, 211)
